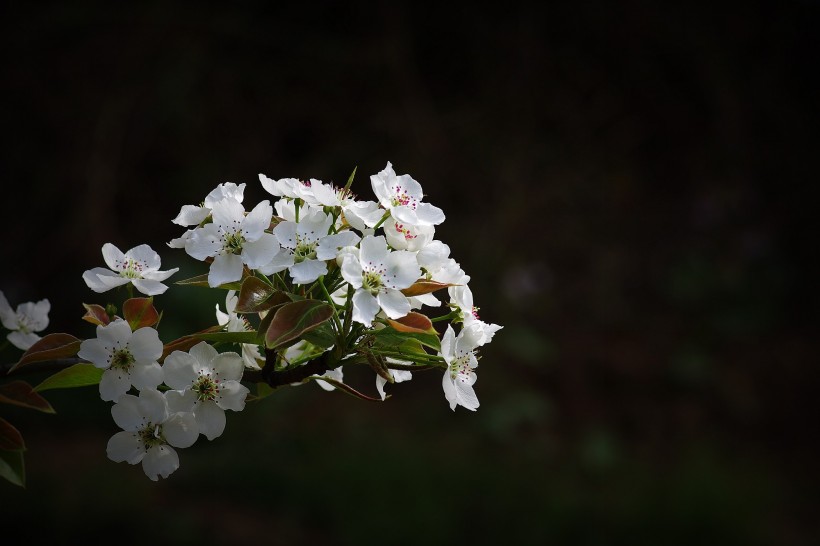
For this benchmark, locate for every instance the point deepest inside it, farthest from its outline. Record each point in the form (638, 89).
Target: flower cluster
(316, 280)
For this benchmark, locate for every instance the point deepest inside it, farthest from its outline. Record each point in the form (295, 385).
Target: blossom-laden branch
(315, 282)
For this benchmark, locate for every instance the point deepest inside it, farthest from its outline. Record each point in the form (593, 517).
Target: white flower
(406, 237)
(139, 266)
(336, 374)
(234, 239)
(127, 358)
(378, 275)
(461, 297)
(289, 188)
(306, 246)
(207, 382)
(29, 317)
(238, 323)
(150, 429)
(458, 380)
(402, 196)
(192, 215)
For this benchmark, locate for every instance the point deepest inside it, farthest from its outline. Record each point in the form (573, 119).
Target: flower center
(122, 359)
(151, 436)
(130, 268)
(372, 281)
(206, 387)
(408, 236)
(305, 250)
(461, 366)
(232, 242)
(401, 198)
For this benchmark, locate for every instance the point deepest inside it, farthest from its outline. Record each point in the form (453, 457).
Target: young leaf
(95, 314)
(78, 375)
(12, 467)
(10, 437)
(322, 336)
(257, 296)
(294, 319)
(51, 347)
(20, 393)
(413, 322)
(423, 286)
(186, 342)
(140, 312)
(388, 337)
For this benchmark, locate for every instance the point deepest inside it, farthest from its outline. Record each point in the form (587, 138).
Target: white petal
(228, 213)
(464, 392)
(307, 271)
(204, 242)
(160, 461)
(91, 278)
(7, 314)
(204, 355)
(449, 390)
(126, 413)
(114, 384)
(180, 370)
(211, 419)
(224, 269)
(393, 303)
(232, 395)
(260, 252)
(229, 366)
(146, 376)
(365, 307)
(352, 270)
(257, 221)
(145, 345)
(153, 405)
(191, 215)
(402, 269)
(113, 257)
(149, 287)
(373, 249)
(146, 255)
(22, 340)
(125, 446)
(181, 429)
(96, 352)
(329, 247)
(181, 401)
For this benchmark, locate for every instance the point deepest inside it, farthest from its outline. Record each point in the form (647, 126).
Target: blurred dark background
(625, 183)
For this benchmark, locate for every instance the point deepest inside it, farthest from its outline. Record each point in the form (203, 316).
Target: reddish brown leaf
(140, 312)
(10, 437)
(413, 322)
(95, 314)
(50, 347)
(424, 286)
(20, 393)
(257, 296)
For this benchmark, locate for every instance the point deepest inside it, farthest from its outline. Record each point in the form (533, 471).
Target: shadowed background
(621, 183)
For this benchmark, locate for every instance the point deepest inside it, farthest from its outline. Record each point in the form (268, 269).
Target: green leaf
(294, 319)
(257, 296)
(202, 280)
(78, 375)
(12, 467)
(388, 337)
(347, 389)
(20, 393)
(229, 337)
(10, 437)
(96, 314)
(323, 336)
(50, 347)
(140, 312)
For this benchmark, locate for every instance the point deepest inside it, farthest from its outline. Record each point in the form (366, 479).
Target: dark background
(625, 183)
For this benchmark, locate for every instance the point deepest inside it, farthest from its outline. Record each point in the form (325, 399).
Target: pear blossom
(139, 266)
(407, 237)
(402, 196)
(128, 358)
(378, 275)
(234, 322)
(208, 383)
(151, 431)
(234, 239)
(461, 298)
(192, 215)
(398, 377)
(359, 215)
(307, 245)
(29, 317)
(459, 377)
(289, 188)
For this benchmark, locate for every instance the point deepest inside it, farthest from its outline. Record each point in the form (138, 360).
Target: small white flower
(234, 239)
(398, 376)
(461, 297)
(407, 237)
(235, 322)
(139, 266)
(378, 275)
(459, 377)
(150, 429)
(29, 317)
(192, 215)
(306, 246)
(289, 188)
(207, 382)
(402, 196)
(128, 358)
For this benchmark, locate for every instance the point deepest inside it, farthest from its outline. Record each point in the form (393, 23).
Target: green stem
(385, 217)
(336, 320)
